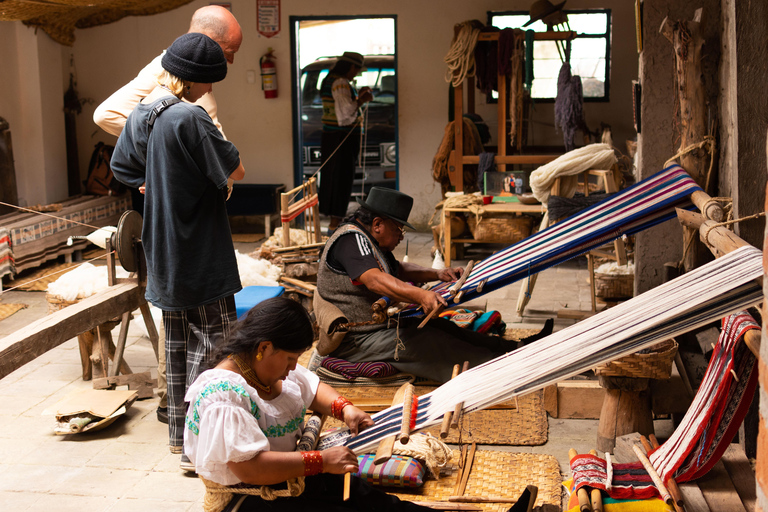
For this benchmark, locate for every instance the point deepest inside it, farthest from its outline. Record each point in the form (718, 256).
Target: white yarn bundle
(84, 281)
(593, 156)
(614, 268)
(256, 272)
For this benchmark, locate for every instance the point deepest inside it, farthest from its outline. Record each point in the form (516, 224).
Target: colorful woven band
(337, 407)
(313, 462)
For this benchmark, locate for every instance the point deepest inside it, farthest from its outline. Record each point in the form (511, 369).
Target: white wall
(107, 57)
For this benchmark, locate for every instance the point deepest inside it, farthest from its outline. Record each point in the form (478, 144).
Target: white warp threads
(601, 338)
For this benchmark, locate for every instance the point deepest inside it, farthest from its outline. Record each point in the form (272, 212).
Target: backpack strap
(159, 108)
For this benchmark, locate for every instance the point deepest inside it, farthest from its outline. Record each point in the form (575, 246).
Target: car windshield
(380, 80)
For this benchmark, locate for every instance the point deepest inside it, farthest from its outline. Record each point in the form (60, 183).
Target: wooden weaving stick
(384, 451)
(595, 498)
(467, 469)
(454, 290)
(654, 475)
(674, 490)
(458, 411)
(447, 416)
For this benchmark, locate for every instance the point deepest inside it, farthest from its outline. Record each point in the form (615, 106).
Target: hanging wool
(486, 63)
(569, 104)
(511, 57)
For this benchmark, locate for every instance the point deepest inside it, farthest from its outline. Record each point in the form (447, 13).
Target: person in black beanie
(172, 150)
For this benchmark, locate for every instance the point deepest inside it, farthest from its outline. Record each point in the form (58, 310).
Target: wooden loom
(118, 301)
(291, 208)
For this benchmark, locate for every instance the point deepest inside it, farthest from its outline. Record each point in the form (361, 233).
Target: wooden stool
(626, 409)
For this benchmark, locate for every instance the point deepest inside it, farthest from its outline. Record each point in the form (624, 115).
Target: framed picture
(505, 184)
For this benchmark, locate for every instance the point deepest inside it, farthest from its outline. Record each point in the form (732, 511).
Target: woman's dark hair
(282, 321)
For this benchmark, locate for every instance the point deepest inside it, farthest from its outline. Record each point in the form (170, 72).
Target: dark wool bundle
(486, 57)
(506, 49)
(569, 104)
(569, 107)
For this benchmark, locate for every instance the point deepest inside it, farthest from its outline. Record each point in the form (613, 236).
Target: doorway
(315, 44)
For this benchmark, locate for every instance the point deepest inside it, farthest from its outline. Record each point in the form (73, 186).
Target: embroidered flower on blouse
(193, 418)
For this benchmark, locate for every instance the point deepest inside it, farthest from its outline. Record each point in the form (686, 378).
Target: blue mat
(249, 296)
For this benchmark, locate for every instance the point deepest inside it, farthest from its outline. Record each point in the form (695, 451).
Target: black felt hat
(389, 203)
(541, 9)
(195, 58)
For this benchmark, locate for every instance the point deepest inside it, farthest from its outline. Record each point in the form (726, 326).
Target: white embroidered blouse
(227, 421)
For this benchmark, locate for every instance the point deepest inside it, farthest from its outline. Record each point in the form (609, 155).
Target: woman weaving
(247, 413)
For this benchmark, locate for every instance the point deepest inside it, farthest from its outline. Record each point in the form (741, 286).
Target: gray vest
(336, 287)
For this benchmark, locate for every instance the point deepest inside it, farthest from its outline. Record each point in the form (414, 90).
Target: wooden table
(489, 208)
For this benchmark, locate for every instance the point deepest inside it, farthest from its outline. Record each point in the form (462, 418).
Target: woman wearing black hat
(340, 143)
(174, 148)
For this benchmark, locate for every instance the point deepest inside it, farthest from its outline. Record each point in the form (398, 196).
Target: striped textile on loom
(634, 209)
(6, 256)
(351, 370)
(696, 298)
(717, 410)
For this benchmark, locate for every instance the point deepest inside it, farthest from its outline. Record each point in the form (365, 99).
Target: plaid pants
(190, 336)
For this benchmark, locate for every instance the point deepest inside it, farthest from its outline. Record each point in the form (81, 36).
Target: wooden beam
(718, 490)
(740, 470)
(35, 339)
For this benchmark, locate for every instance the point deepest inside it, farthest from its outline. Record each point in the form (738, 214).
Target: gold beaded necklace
(249, 374)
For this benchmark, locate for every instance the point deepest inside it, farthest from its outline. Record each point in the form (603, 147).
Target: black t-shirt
(185, 164)
(352, 254)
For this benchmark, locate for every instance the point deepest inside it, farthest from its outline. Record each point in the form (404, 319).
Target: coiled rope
(461, 56)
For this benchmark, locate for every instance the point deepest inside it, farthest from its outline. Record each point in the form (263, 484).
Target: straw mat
(7, 310)
(518, 334)
(496, 474)
(524, 427)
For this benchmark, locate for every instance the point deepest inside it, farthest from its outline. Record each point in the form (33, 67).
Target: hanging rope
(461, 56)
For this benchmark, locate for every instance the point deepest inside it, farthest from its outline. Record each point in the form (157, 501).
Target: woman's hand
(356, 419)
(339, 460)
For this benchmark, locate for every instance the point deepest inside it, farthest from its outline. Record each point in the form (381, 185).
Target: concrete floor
(127, 466)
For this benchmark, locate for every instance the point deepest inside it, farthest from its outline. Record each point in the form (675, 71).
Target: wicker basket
(657, 364)
(500, 228)
(614, 286)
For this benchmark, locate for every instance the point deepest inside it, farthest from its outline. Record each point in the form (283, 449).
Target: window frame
(606, 98)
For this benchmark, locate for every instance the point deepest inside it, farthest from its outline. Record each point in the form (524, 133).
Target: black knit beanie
(195, 58)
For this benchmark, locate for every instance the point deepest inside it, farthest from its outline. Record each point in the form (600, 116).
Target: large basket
(656, 364)
(500, 227)
(614, 286)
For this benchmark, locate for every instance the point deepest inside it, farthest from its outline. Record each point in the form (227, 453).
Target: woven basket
(614, 286)
(500, 228)
(656, 364)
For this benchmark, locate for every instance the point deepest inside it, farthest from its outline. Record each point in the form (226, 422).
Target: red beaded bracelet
(313, 462)
(337, 407)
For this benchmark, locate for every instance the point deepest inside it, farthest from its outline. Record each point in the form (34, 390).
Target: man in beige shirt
(214, 21)
(220, 25)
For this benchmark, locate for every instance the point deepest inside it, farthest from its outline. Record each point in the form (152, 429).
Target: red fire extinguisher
(268, 74)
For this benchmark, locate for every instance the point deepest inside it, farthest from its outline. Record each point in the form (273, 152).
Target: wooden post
(687, 42)
(626, 409)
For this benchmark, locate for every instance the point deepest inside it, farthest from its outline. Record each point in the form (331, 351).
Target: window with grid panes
(590, 52)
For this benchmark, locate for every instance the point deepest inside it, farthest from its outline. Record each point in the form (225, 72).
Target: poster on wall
(268, 17)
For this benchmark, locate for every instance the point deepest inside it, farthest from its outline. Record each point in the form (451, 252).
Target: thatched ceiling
(60, 18)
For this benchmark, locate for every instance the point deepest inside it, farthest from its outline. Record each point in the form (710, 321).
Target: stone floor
(127, 466)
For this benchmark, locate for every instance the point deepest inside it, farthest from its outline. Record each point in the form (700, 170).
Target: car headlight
(390, 154)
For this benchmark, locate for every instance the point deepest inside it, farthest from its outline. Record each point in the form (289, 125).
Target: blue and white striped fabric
(634, 209)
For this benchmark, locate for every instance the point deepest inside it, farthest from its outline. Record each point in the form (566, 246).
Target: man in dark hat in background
(357, 268)
(340, 140)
